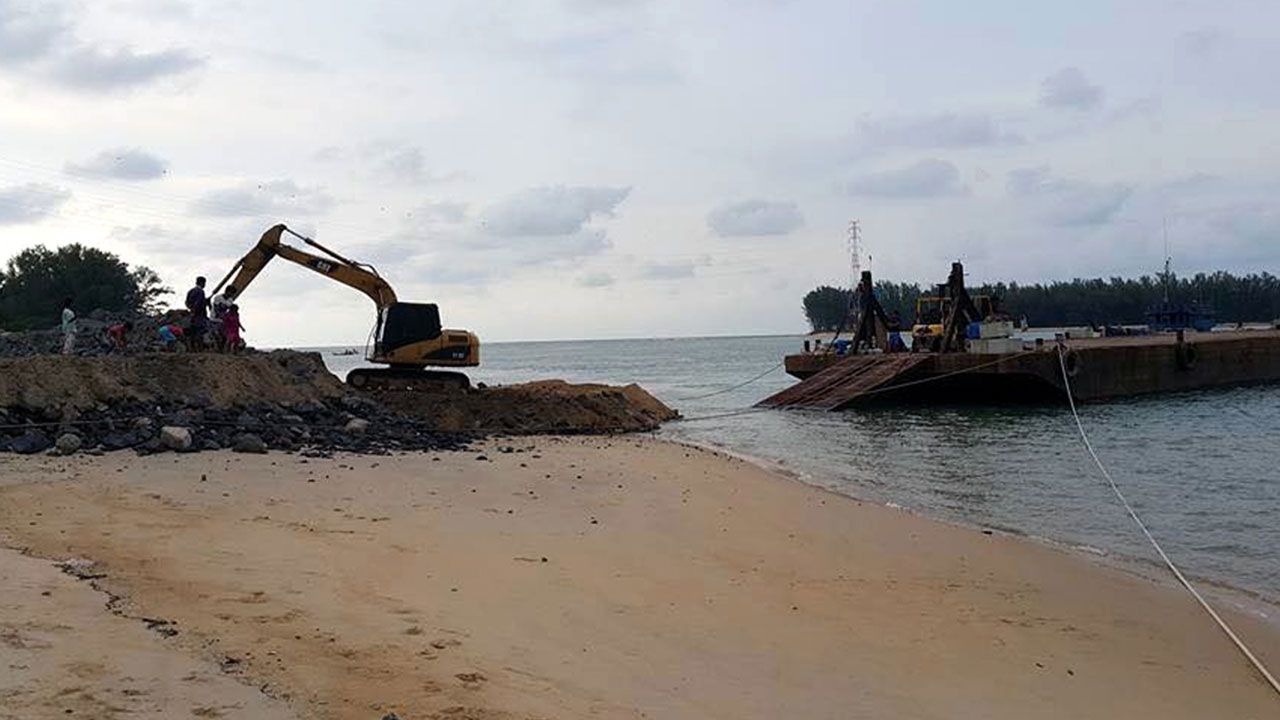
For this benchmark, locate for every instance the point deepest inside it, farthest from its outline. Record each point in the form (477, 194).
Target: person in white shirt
(218, 307)
(68, 328)
(222, 301)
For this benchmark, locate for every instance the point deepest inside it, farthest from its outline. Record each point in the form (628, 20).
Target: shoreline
(1241, 599)
(617, 576)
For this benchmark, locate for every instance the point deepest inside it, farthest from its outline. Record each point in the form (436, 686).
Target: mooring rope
(735, 387)
(1240, 645)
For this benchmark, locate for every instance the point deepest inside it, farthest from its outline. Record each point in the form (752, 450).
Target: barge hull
(1100, 368)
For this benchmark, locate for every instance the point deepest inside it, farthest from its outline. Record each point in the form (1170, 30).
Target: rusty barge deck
(1100, 368)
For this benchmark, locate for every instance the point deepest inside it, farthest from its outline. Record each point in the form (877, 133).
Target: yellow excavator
(407, 336)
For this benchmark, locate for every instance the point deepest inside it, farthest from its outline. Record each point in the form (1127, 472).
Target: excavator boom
(407, 336)
(349, 273)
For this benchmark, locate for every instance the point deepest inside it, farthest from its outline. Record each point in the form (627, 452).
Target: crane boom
(349, 273)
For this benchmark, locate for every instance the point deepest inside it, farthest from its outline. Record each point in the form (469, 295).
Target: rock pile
(350, 423)
(91, 335)
(185, 403)
(282, 400)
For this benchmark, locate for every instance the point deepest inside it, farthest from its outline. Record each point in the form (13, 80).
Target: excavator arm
(335, 267)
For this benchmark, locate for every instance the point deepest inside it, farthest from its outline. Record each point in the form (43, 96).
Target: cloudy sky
(596, 168)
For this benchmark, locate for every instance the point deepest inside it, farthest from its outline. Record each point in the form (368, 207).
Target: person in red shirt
(231, 328)
(118, 335)
(170, 335)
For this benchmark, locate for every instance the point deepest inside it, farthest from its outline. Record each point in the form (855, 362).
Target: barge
(1099, 369)
(965, 364)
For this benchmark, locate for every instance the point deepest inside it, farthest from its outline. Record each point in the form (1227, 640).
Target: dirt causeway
(289, 399)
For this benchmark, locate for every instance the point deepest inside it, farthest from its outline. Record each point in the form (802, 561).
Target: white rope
(731, 389)
(1257, 664)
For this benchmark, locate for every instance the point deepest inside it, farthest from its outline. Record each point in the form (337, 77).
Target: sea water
(1201, 468)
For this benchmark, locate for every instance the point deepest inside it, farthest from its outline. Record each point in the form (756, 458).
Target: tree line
(35, 282)
(1116, 301)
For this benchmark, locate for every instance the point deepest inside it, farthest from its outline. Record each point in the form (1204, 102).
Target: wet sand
(612, 578)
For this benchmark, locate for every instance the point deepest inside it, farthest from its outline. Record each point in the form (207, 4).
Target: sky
(638, 168)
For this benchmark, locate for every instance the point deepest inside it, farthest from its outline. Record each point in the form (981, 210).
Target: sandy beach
(564, 578)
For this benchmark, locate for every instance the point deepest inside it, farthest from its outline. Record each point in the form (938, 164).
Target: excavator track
(407, 379)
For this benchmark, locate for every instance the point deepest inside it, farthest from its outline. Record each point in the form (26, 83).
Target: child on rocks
(118, 336)
(170, 334)
(231, 328)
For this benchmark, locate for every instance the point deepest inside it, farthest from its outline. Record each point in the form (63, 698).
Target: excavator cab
(409, 337)
(407, 323)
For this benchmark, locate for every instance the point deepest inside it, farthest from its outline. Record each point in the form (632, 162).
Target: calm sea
(1202, 468)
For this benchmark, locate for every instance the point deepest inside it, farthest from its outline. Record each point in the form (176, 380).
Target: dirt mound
(536, 408)
(282, 400)
(190, 402)
(57, 382)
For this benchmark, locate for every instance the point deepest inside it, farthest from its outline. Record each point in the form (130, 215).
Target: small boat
(347, 352)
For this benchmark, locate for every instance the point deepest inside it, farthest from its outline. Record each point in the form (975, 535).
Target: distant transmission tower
(855, 254)
(852, 315)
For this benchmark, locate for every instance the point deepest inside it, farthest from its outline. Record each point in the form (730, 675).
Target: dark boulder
(30, 442)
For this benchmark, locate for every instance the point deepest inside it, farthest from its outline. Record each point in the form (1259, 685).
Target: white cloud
(166, 246)
(1063, 202)
(274, 199)
(160, 9)
(755, 218)
(930, 132)
(595, 280)
(29, 31)
(1068, 88)
(1254, 229)
(923, 179)
(536, 250)
(93, 68)
(532, 228)
(551, 211)
(32, 202)
(329, 153)
(440, 211)
(406, 166)
(450, 273)
(676, 270)
(40, 36)
(120, 164)
(1202, 42)
(668, 271)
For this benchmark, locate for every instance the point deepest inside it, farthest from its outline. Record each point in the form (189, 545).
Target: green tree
(148, 289)
(34, 283)
(1244, 298)
(898, 299)
(827, 307)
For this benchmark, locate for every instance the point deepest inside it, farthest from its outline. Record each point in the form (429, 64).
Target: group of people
(216, 318)
(213, 322)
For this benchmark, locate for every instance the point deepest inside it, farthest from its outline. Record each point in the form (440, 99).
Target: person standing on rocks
(68, 327)
(222, 301)
(218, 307)
(231, 328)
(198, 305)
